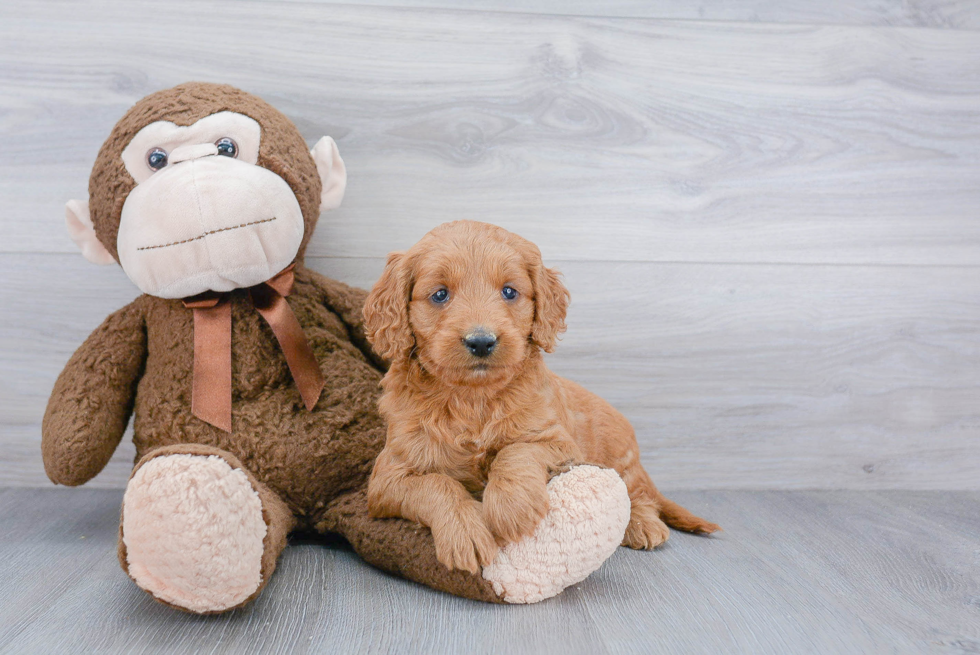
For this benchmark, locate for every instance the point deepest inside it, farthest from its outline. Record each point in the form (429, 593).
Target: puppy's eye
(227, 147)
(509, 293)
(440, 296)
(156, 158)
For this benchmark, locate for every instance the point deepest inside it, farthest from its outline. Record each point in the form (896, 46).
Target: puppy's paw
(645, 530)
(463, 540)
(514, 509)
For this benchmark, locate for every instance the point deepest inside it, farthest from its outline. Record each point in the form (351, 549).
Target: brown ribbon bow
(211, 392)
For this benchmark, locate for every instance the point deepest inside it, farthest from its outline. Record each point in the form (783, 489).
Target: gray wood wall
(768, 213)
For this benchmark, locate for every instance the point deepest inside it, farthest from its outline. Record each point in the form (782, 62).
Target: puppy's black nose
(480, 343)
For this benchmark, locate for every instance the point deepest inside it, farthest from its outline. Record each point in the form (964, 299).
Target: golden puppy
(472, 411)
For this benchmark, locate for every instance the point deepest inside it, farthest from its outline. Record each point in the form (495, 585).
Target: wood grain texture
(770, 230)
(600, 139)
(755, 376)
(794, 572)
(938, 14)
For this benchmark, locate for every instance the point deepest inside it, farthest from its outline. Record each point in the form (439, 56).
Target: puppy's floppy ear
(386, 310)
(550, 301)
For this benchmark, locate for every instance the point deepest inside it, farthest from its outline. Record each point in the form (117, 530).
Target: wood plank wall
(768, 213)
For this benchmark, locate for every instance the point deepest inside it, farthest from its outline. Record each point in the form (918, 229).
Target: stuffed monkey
(252, 386)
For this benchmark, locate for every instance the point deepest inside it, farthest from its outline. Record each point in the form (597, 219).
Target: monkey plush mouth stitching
(208, 233)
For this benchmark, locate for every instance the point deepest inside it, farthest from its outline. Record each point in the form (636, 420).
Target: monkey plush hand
(251, 383)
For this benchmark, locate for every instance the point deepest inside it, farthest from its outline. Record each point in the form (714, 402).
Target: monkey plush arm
(93, 398)
(348, 303)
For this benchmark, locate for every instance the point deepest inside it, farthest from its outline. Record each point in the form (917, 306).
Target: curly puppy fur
(473, 440)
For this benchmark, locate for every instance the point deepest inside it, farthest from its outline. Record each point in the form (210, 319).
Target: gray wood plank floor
(794, 572)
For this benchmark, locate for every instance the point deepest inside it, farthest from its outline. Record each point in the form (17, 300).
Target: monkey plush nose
(480, 343)
(192, 151)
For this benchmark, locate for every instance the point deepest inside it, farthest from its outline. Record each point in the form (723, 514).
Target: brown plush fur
(462, 428)
(139, 361)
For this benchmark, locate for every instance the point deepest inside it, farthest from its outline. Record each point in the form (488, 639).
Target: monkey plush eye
(509, 293)
(440, 296)
(156, 159)
(227, 147)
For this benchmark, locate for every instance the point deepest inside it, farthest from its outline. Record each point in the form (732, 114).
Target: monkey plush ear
(333, 173)
(82, 232)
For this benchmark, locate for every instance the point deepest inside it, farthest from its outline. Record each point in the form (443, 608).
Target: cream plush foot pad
(590, 509)
(194, 532)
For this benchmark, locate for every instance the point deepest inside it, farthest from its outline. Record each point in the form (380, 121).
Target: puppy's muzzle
(480, 342)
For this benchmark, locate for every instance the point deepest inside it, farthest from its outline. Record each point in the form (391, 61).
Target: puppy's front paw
(513, 510)
(463, 540)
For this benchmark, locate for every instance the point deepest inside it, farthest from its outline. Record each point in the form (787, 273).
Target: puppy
(477, 424)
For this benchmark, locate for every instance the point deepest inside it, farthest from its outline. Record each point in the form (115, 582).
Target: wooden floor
(794, 572)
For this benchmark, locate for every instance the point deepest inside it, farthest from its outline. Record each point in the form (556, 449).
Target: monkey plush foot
(193, 534)
(588, 515)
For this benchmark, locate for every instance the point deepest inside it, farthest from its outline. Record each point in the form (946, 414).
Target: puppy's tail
(680, 519)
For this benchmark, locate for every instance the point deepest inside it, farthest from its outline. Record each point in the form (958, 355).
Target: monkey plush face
(203, 215)
(204, 187)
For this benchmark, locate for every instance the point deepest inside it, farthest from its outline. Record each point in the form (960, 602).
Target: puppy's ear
(386, 310)
(550, 301)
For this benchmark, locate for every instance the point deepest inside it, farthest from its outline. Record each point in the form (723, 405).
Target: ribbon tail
(299, 355)
(211, 392)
